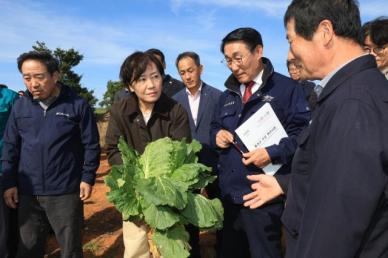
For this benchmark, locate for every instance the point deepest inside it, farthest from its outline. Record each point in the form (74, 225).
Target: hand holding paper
(261, 130)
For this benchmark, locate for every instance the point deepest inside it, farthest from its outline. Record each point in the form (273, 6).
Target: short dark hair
(135, 65)
(45, 57)
(249, 36)
(379, 31)
(157, 52)
(343, 14)
(365, 31)
(3, 85)
(190, 54)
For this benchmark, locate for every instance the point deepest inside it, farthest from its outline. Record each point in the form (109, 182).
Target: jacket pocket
(25, 123)
(227, 112)
(228, 118)
(291, 229)
(66, 123)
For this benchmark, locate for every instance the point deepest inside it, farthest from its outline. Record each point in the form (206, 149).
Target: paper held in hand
(261, 130)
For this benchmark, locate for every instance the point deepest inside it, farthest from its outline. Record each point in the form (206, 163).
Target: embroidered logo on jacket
(62, 114)
(267, 98)
(229, 103)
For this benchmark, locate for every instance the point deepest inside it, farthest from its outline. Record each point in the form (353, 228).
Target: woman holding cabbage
(144, 116)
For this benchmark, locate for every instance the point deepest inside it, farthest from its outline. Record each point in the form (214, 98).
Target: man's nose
(187, 76)
(35, 83)
(291, 54)
(234, 67)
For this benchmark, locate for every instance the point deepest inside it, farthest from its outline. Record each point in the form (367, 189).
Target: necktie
(318, 89)
(248, 91)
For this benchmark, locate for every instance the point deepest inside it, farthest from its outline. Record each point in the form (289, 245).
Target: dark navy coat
(337, 203)
(288, 101)
(50, 152)
(207, 105)
(171, 86)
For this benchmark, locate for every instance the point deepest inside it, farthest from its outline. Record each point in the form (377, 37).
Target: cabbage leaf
(160, 188)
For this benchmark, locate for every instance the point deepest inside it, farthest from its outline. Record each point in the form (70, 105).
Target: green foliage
(111, 88)
(92, 246)
(173, 242)
(203, 212)
(159, 187)
(68, 59)
(100, 111)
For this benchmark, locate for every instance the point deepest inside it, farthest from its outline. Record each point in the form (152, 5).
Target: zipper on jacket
(42, 149)
(43, 156)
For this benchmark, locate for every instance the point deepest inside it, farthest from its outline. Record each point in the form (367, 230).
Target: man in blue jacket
(200, 100)
(337, 201)
(253, 82)
(294, 69)
(7, 241)
(50, 157)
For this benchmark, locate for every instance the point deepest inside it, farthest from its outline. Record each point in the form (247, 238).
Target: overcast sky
(105, 32)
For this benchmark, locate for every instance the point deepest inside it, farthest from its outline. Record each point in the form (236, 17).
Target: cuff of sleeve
(274, 154)
(88, 178)
(7, 184)
(283, 182)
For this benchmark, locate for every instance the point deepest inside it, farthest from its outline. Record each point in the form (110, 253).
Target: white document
(261, 130)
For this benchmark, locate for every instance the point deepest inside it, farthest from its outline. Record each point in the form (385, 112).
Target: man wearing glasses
(294, 69)
(253, 232)
(376, 42)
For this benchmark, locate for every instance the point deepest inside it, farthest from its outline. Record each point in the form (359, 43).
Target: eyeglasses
(293, 65)
(376, 50)
(238, 60)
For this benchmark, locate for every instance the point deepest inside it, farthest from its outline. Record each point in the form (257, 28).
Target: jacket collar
(234, 85)
(162, 106)
(63, 92)
(354, 67)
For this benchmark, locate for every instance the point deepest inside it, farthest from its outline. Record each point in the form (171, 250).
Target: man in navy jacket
(294, 68)
(337, 200)
(253, 232)
(50, 157)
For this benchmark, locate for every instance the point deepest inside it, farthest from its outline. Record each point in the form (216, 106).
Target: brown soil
(102, 230)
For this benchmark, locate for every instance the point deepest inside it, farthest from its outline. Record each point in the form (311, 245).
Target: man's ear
(259, 51)
(326, 30)
(56, 76)
(201, 69)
